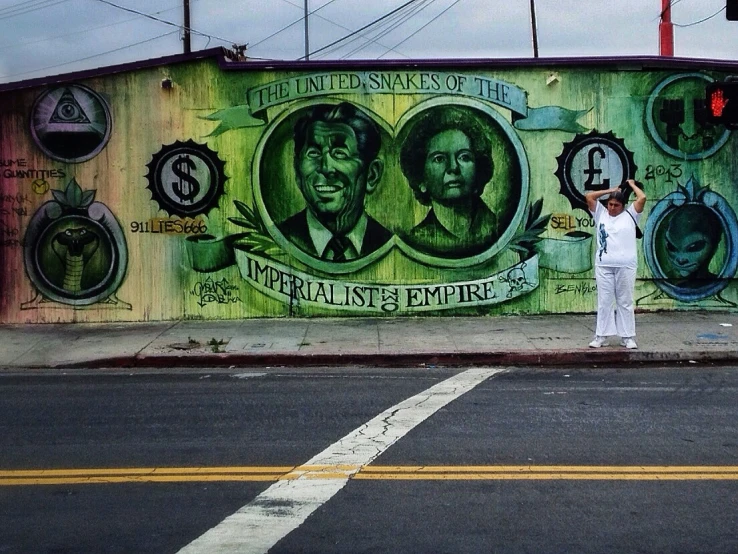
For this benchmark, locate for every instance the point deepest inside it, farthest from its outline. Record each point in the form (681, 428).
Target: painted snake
(71, 246)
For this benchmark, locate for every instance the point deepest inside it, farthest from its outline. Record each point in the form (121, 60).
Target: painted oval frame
(517, 145)
(276, 126)
(99, 216)
(651, 124)
(720, 207)
(103, 107)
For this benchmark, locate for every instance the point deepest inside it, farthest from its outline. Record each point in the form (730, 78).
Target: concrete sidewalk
(411, 342)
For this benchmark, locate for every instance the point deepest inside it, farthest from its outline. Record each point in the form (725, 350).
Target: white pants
(615, 312)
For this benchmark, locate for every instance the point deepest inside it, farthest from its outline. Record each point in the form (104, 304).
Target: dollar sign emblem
(186, 187)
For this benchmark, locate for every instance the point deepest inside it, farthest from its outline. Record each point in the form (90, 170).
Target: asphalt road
(541, 461)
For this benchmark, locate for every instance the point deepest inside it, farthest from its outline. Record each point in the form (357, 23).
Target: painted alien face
(691, 241)
(688, 253)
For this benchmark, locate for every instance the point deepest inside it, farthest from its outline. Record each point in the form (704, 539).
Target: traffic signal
(731, 10)
(722, 103)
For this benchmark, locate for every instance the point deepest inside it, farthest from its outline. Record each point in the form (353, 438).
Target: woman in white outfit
(616, 260)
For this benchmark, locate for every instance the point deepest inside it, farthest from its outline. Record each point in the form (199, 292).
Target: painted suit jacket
(295, 229)
(431, 237)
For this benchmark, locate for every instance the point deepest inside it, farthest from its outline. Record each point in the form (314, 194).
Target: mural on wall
(595, 161)
(447, 183)
(75, 251)
(676, 117)
(392, 192)
(71, 124)
(186, 178)
(446, 159)
(591, 161)
(690, 236)
(319, 164)
(690, 243)
(336, 166)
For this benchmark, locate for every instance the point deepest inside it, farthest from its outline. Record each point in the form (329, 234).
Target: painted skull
(516, 279)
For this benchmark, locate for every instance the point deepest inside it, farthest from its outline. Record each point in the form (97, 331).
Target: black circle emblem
(186, 178)
(595, 161)
(71, 124)
(75, 251)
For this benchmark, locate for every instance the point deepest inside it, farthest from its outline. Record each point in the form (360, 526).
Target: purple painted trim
(634, 63)
(217, 53)
(609, 62)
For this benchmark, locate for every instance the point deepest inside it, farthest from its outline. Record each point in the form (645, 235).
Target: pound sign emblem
(594, 170)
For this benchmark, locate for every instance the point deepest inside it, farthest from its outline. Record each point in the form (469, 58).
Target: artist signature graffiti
(218, 292)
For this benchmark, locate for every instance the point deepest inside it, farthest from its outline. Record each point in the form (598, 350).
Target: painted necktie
(337, 246)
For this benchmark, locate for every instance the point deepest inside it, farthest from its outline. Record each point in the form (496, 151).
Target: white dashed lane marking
(285, 505)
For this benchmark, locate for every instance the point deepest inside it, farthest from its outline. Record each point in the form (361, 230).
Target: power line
(93, 56)
(701, 20)
(177, 25)
(90, 29)
(275, 33)
(20, 5)
(383, 30)
(362, 29)
(295, 22)
(423, 27)
(358, 34)
(372, 40)
(372, 34)
(27, 5)
(300, 20)
(316, 10)
(21, 9)
(671, 5)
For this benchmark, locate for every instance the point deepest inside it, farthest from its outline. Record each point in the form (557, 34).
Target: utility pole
(533, 26)
(666, 30)
(307, 33)
(186, 38)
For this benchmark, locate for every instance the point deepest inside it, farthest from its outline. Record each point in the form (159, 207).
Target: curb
(537, 358)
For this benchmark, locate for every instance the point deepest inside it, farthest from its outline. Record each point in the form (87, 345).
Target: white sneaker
(598, 341)
(628, 343)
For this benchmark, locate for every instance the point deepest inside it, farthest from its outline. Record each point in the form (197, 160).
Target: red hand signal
(718, 102)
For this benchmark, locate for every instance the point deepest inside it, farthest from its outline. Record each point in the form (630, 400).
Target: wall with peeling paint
(201, 189)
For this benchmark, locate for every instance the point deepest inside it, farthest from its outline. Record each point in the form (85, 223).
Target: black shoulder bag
(639, 233)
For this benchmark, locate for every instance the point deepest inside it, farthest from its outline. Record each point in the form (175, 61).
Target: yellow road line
(135, 479)
(551, 476)
(547, 468)
(276, 473)
(148, 471)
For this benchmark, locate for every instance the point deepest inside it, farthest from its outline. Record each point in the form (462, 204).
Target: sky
(51, 37)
